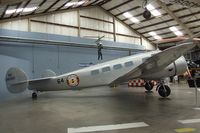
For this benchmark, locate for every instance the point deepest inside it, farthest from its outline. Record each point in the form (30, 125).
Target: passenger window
(94, 72)
(105, 69)
(128, 64)
(118, 66)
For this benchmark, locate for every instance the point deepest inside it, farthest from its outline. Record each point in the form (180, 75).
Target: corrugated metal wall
(85, 22)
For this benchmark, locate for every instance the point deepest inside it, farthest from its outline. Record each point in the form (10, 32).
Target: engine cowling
(176, 68)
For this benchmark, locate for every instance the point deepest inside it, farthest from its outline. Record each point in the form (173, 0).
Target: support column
(79, 23)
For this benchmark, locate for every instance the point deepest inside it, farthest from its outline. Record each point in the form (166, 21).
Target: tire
(34, 95)
(148, 86)
(164, 91)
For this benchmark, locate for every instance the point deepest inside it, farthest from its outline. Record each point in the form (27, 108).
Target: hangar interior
(60, 35)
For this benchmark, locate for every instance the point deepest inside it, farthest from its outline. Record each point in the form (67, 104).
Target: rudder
(16, 80)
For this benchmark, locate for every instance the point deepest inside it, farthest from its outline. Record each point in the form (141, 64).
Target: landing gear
(148, 86)
(163, 90)
(34, 95)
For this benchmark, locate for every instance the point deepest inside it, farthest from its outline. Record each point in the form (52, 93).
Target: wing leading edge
(156, 62)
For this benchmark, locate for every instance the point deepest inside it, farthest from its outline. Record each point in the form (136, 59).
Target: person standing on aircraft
(99, 48)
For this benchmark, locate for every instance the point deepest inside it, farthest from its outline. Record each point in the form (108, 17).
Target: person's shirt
(100, 46)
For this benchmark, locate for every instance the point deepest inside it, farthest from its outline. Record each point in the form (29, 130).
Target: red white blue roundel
(72, 80)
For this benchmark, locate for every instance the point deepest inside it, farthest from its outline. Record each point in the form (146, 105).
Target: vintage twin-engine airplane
(154, 65)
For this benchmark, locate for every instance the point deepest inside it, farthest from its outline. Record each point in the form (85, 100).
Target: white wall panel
(38, 27)
(90, 34)
(96, 13)
(122, 29)
(147, 45)
(69, 31)
(124, 39)
(52, 29)
(95, 24)
(21, 25)
(69, 18)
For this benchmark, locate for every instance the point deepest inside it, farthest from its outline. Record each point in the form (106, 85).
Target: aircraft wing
(156, 62)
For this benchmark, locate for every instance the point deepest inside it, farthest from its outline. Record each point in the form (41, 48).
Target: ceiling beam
(140, 14)
(51, 6)
(4, 12)
(121, 4)
(63, 5)
(25, 5)
(104, 2)
(187, 30)
(165, 14)
(38, 6)
(10, 2)
(18, 5)
(166, 27)
(93, 2)
(129, 10)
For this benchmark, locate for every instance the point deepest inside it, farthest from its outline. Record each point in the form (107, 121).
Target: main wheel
(148, 85)
(34, 95)
(164, 90)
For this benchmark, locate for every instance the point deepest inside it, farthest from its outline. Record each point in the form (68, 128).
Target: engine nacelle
(176, 68)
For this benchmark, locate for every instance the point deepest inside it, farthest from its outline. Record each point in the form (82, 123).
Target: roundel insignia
(72, 80)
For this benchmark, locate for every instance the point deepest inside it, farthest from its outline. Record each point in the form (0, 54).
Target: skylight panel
(178, 33)
(29, 9)
(153, 10)
(10, 11)
(155, 13)
(74, 3)
(127, 15)
(80, 2)
(152, 33)
(157, 37)
(150, 7)
(70, 4)
(134, 20)
(19, 10)
(173, 28)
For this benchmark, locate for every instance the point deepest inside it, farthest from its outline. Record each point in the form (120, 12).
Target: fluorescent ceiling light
(127, 15)
(178, 33)
(10, 11)
(173, 28)
(156, 13)
(134, 20)
(152, 33)
(157, 37)
(150, 7)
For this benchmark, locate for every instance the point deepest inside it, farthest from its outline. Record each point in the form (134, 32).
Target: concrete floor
(55, 112)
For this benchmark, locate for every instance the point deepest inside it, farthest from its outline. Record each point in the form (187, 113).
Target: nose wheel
(163, 90)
